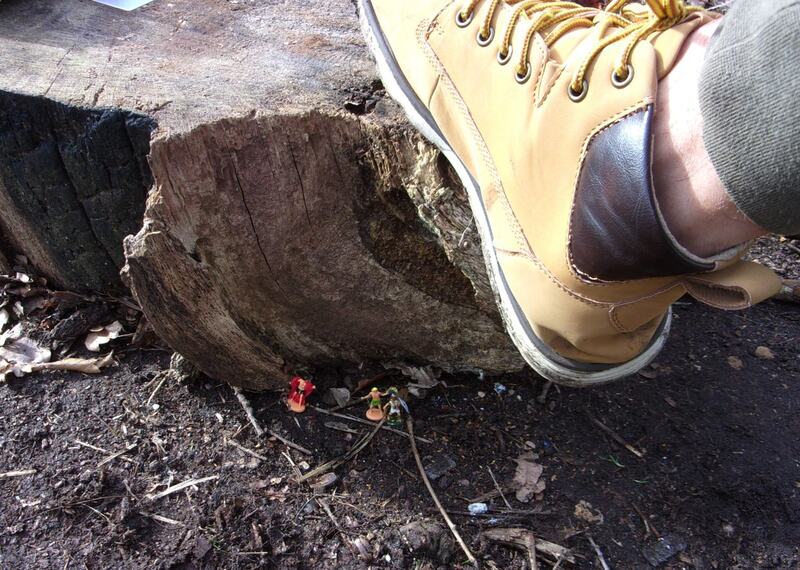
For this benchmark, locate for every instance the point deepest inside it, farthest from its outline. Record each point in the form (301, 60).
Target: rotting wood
(281, 224)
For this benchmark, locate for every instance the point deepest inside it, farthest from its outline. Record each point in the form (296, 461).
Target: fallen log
(278, 207)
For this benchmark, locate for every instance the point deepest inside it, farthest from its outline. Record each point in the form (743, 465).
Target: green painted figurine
(374, 412)
(394, 408)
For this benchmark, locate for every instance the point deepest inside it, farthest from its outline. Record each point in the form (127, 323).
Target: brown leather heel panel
(616, 233)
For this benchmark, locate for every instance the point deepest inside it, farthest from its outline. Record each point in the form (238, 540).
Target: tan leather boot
(545, 111)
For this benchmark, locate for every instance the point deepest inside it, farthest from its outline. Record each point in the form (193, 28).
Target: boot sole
(536, 353)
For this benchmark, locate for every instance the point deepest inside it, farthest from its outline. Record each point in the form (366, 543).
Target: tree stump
(278, 207)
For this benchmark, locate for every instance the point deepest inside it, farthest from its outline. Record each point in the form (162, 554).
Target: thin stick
(522, 537)
(324, 506)
(21, 473)
(247, 451)
(159, 518)
(248, 410)
(464, 547)
(164, 376)
(599, 553)
(90, 446)
(616, 437)
(499, 490)
(289, 443)
(118, 455)
(334, 463)
(181, 486)
(367, 422)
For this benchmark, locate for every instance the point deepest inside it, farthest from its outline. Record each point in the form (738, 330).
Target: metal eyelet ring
(580, 95)
(462, 21)
(618, 82)
(523, 78)
(485, 41)
(504, 59)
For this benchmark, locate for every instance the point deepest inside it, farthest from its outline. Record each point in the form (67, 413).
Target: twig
(164, 375)
(616, 437)
(247, 451)
(21, 473)
(119, 455)
(341, 427)
(367, 422)
(344, 458)
(599, 553)
(324, 506)
(101, 450)
(159, 518)
(90, 446)
(648, 526)
(289, 443)
(181, 486)
(499, 490)
(248, 410)
(453, 529)
(520, 537)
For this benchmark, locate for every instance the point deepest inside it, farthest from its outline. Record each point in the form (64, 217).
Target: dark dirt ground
(720, 472)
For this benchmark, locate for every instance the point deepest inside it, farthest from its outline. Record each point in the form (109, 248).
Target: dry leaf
(764, 353)
(85, 365)
(735, 362)
(587, 513)
(18, 353)
(528, 477)
(424, 377)
(4, 318)
(101, 335)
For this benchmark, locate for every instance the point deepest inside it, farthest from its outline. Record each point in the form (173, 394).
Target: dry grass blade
(21, 473)
(180, 487)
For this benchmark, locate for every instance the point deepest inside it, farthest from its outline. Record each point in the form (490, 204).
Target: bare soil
(720, 471)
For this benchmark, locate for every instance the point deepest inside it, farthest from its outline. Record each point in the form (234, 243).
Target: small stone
(764, 353)
(727, 530)
(325, 481)
(658, 552)
(478, 508)
(438, 465)
(735, 362)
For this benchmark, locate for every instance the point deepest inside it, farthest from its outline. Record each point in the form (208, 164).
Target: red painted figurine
(299, 390)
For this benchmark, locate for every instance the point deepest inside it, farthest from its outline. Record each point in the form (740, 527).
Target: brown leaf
(85, 365)
(528, 477)
(587, 513)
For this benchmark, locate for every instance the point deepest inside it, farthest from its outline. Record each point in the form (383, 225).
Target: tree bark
(279, 209)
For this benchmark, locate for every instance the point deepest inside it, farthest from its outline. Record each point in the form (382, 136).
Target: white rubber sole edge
(537, 359)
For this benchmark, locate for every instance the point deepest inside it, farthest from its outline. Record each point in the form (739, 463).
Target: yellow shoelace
(561, 17)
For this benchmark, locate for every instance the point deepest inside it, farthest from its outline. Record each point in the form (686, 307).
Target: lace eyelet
(580, 95)
(504, 59)
(523, 78)
(618, 82)
(485, 41)
(464, 21)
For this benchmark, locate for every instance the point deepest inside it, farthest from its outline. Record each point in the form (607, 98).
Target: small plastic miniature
(395, 407)
(299, 390)
(374, 412)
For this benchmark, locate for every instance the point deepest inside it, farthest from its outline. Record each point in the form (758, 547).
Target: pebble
(478, 508)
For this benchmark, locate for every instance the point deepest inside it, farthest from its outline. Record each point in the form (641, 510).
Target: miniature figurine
(395, 405)
(299, 390)
(374, 412)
